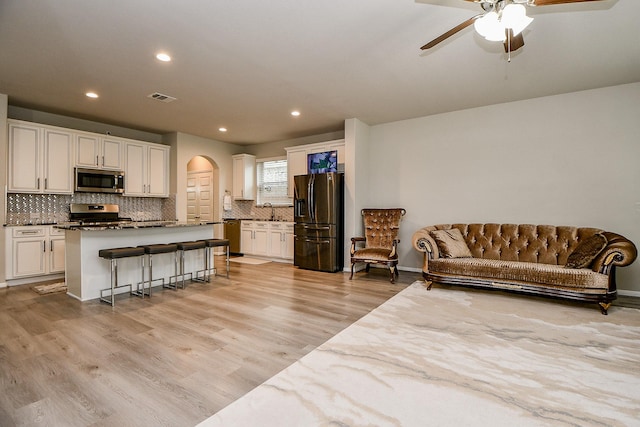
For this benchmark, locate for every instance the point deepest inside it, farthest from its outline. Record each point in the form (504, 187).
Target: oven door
(99, 181)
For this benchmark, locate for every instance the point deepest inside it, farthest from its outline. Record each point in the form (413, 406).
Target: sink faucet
(273, 211)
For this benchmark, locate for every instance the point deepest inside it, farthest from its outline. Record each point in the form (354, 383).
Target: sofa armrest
(423, 242)
(354, 243)
(619, 251)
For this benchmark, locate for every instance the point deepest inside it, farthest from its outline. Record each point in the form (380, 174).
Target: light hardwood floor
(174, 359)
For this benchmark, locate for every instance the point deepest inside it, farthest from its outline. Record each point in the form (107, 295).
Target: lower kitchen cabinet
(267, 238)
(34, 251)
(281, 240)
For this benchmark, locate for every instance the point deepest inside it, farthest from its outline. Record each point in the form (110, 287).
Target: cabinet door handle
(44, 246)
(51, 245)
(102, 160)
(46, 183)
(38, 186)
(97, 161)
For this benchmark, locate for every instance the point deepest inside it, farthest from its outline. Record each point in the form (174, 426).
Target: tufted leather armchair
(381, 227)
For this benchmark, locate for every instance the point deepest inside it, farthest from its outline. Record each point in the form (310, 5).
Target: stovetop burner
(95, 214)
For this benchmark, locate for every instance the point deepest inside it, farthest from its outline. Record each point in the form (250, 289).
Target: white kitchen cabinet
(96, 151)
(244, 177)
(34, 251)
(56, 250)
(281, 240)
(40, 159)
(255, 237)
(297, 158)
(271, 239)
(146, 169)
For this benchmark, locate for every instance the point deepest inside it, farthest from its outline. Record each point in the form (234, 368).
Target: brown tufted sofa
(528, 259)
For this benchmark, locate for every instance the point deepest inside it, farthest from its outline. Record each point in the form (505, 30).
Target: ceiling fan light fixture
(514, 16)
(490, 27)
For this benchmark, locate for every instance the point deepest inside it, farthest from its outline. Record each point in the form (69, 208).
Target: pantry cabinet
(40, 159)
(297, 158)
(244, 177)
(95, 151)
(34, 251)
(146, 170)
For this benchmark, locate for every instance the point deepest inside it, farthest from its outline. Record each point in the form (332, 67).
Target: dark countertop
(132, 224)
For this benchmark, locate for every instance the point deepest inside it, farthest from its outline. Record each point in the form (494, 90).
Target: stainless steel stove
(86, 214)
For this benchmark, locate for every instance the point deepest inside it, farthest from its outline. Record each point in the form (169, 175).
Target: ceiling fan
(502, 20)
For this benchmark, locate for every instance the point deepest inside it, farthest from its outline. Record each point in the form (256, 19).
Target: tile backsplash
(54, 208)
(245, 209)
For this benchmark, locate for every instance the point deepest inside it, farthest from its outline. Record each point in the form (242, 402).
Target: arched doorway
(202, 191)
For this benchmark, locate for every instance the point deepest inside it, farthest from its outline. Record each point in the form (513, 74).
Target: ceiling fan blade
(551, 2)
(451, 32)
(513, 43)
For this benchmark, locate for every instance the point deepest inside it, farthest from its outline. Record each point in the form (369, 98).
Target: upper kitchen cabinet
(244, 177)
(146, 170)
(297, 158)
(40, 159)
(96, 151)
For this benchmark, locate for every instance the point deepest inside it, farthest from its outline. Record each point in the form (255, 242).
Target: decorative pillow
(586, 251)
(451, 243)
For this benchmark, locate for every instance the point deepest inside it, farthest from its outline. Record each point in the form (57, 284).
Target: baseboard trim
(3, 284)
(635, 294)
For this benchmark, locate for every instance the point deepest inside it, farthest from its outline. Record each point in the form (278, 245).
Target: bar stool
(156, 249)
(113, 255)
(184, 247)
(209, 245)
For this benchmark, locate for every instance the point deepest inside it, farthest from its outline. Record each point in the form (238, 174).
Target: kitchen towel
(226, 202)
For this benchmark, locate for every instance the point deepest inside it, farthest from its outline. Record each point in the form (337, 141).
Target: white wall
(564, 160)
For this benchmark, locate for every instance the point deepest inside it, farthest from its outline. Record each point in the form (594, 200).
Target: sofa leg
(352, 265)
(604, 306)
(393, 273)
(428, 284)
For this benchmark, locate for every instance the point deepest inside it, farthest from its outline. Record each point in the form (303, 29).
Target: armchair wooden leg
(352, 265)
(392, 270)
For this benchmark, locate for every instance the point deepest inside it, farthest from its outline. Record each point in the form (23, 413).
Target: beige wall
(4, 147)
(184, 148)
(564, 160)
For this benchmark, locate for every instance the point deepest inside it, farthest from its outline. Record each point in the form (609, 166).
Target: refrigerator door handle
(312, 198)
(317, 227)
(316, 241)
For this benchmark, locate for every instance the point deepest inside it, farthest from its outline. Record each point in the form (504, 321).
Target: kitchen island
(86, 273)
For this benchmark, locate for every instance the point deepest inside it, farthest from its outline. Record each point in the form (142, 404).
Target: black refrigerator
(319, 217)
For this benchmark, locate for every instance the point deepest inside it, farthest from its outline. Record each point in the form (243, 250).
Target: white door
(199, 196)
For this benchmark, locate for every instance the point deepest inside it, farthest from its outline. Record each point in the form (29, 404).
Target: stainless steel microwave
(99, 181)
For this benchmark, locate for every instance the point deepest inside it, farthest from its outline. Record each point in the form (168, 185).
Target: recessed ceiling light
(91, 95)
(222, 129)
(163, 57)
(295, 113)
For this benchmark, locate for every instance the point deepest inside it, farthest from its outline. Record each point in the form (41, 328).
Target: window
(272, 182)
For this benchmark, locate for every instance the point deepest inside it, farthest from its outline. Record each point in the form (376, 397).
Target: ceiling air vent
(162, 97)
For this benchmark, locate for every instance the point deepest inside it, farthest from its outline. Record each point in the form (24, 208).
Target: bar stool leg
(227, 261)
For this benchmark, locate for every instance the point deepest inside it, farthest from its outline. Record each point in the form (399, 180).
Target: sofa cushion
(451, 244)
(546, 275)
(586, 251)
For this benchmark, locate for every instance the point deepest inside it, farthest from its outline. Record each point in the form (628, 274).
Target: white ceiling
(245, 64)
